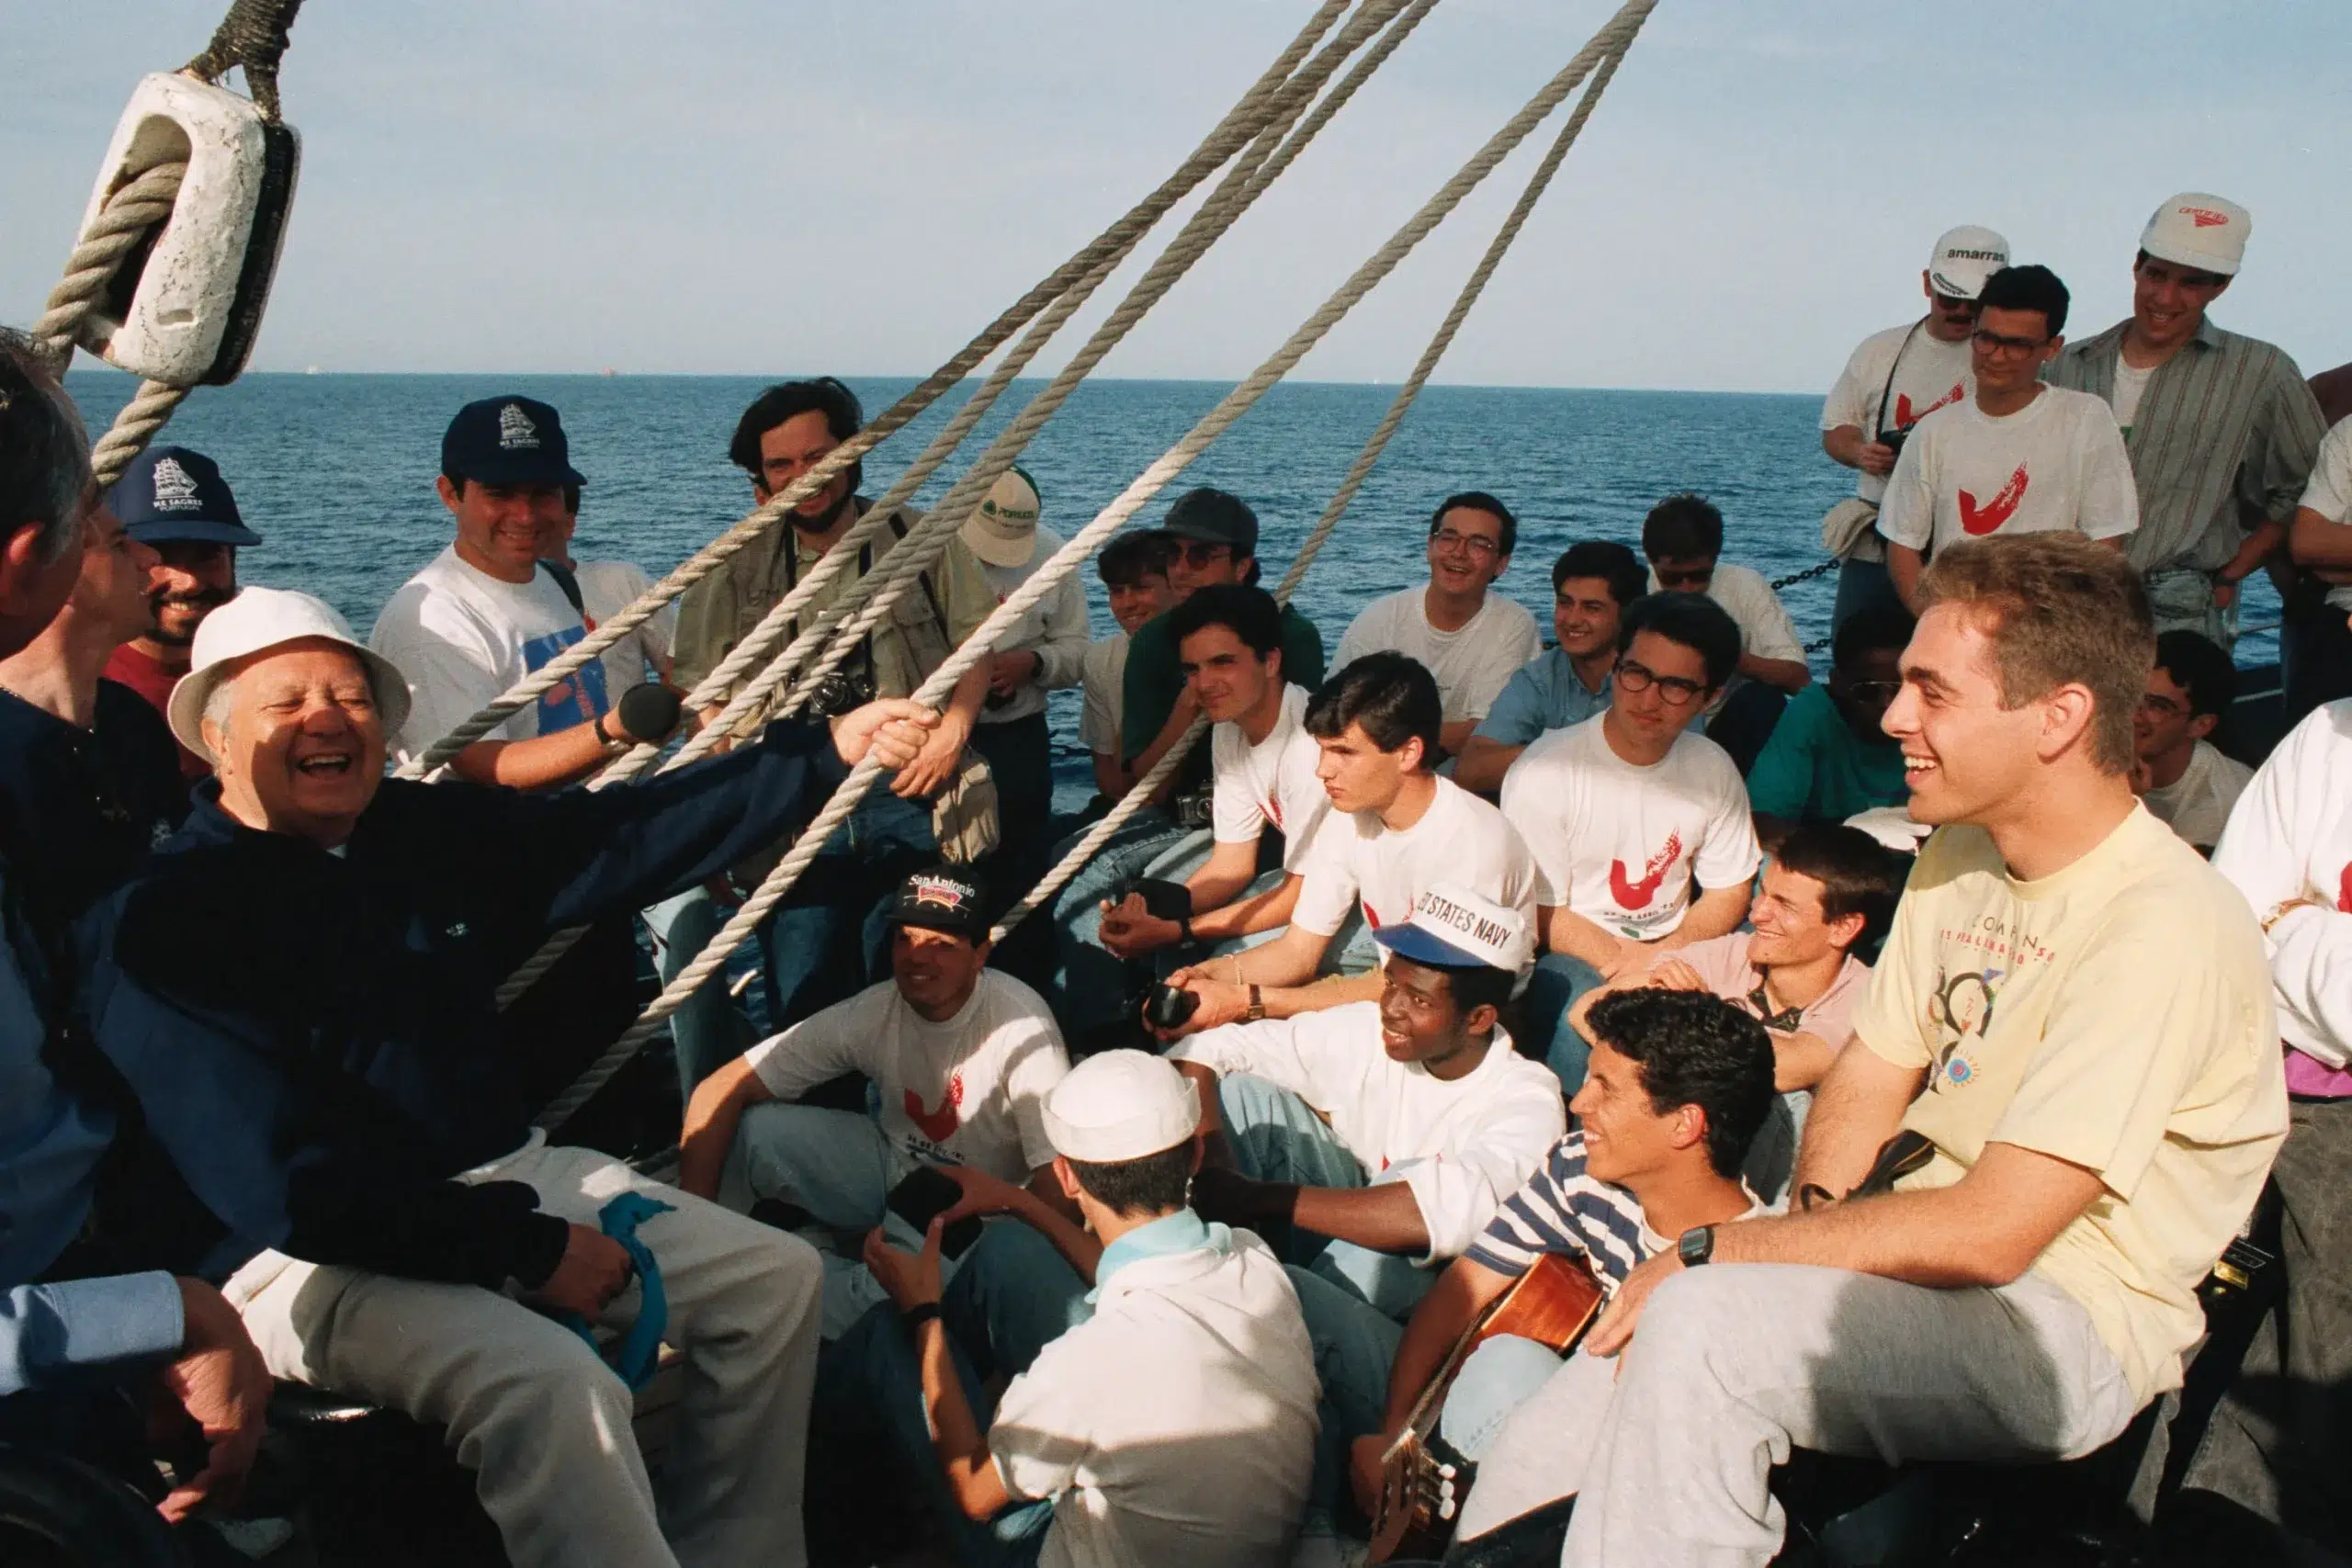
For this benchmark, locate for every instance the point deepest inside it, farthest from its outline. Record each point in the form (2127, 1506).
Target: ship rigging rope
(1265, 97)
(1269, 152)
(1146, 788)
(1611, 41)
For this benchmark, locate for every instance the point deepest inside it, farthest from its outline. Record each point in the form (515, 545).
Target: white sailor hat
(1120, 1105)
(256, 621)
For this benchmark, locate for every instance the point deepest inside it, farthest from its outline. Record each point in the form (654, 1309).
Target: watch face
(1696, 1245)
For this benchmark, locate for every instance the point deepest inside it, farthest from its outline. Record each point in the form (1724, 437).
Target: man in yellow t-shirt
(2075, 1009)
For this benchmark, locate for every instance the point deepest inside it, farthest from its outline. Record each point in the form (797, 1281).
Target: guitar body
(1552, 1304)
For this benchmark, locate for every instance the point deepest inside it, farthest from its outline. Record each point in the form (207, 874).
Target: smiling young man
(1592, 583)
(1640, 830)
(1679, 1085)
(483, 614)
(2223, 429)
(1829, 759)
(1263, 763)
(1394, 829)
(2181, 775)
(2100, 1132)
(1381, 1134)
(1472, 639)
(2019, 457)
(1893, 380)
(175, 502)
(961, 1057)
(1134, 569)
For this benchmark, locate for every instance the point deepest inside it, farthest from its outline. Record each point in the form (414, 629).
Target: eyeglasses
(1196, 554)
(1994, 342)
(1954, 304)
(1690, 580)
(1674, 690)
(1476, 543)
(1873, 691)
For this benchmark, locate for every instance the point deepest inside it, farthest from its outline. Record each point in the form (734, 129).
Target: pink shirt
(1722, 962)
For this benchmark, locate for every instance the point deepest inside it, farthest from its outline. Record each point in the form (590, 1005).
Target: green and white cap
(1002, 530)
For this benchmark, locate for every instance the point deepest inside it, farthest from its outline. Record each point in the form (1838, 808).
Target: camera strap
(1886, 393)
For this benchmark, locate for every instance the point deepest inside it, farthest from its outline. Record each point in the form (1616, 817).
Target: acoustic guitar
(1552, 1304)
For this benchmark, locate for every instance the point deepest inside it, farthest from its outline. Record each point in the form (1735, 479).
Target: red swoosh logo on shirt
(1904, 417)
(1984, 519)
(2344, 891)
(937, 1126)
(1632, 894)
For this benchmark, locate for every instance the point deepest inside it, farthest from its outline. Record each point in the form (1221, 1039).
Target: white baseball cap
(1120, 1105)
(1459, 929)
(256, 621)
(1963, 258)
(1002, 530)
(2194, 228)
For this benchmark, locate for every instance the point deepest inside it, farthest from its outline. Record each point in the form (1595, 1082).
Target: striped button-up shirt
(2225, 438)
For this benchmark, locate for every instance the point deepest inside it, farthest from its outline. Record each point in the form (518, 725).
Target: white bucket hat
(1002, 530)
(1120, 1105)
(1963, 258)
(256, 621)
(2194, 228)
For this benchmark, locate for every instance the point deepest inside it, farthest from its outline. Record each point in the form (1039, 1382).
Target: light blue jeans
(707, 1030)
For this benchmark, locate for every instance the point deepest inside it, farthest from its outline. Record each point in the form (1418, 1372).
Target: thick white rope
(1148, 786)
(1231, 133)
(1612, 39)
(924, 543)
(1231, 197)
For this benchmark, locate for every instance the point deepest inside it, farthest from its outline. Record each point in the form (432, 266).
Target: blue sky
(720, 186)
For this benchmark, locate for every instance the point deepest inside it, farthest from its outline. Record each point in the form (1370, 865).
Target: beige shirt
(2116, 1015)
(720, 611)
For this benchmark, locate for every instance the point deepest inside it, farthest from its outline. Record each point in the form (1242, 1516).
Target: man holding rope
(300, 991)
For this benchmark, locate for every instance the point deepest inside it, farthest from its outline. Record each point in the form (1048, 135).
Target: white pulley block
(184, 305)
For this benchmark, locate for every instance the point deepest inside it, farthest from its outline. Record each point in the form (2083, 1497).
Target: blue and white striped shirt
(1562, 1208)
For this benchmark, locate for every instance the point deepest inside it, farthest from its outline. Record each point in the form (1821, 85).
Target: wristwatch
(1697, 1246)
(1256, 1006)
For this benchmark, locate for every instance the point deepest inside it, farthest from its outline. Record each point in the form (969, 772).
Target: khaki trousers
(543, 1421)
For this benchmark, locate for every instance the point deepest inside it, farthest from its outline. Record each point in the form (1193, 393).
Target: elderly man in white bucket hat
(2221, 429)
(300, 989)
(1044, 650)
(1165, 1415)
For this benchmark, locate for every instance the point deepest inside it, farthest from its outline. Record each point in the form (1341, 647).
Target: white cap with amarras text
(1963, 258)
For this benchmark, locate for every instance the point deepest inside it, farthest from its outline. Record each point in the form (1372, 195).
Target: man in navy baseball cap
(175, 502)
(507, 443)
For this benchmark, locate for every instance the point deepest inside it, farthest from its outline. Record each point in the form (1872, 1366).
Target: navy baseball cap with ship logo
(508, 441)
(170, 494)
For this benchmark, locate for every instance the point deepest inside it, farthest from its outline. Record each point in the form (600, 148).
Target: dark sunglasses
(1196, 554)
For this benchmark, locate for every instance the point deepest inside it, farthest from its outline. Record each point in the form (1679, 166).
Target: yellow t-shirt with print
(2115, 1015)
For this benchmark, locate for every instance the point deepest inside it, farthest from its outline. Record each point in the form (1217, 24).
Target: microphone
(649, 713)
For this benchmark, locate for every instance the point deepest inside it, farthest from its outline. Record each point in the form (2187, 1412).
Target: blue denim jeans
(843, 896)
(1552, 990)
(707, 1030)
(1090, 987)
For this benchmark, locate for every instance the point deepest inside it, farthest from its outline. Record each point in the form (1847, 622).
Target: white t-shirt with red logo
(1272, 782)
(1460, 841)
(2058, 463)
(970, 1091)
(1623, 845)
(1930, 374)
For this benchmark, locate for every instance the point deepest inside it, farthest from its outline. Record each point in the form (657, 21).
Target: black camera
(1169, 1007)
(1194, 808)
(1892, 440)
(839, 692)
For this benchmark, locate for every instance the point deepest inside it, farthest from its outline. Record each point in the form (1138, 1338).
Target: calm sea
(336, 472)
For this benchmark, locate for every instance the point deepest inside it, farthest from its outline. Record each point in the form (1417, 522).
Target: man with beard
(174, 502)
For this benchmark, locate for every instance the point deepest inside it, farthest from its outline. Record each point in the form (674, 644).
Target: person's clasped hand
(893, 731)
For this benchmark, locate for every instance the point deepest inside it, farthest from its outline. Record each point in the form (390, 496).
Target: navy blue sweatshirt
(312, 1037)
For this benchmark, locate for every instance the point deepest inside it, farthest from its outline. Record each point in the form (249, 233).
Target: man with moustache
(174, 502)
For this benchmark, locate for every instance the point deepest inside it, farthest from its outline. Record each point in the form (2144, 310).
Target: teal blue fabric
(1544, 695)
(1816, 769)
(1183, 1231)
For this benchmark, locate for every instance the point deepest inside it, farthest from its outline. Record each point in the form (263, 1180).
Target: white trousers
(1732, 1364)
(543, 1421)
